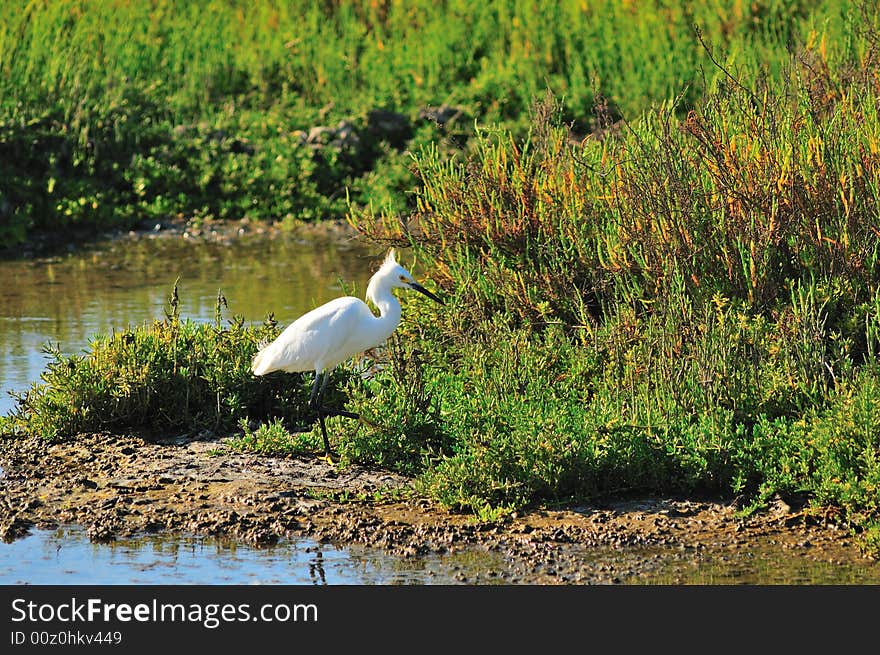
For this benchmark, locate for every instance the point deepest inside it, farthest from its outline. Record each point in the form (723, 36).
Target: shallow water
(66, 300)
(66, 556)
(766, 567)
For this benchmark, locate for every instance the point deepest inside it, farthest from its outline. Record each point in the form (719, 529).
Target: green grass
(173, 375)
(115, 112)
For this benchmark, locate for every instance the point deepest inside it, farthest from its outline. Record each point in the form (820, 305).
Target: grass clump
(273, 438)
(173, 375)
(687, 305)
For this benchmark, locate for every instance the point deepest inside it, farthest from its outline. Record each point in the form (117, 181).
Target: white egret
(328, 335)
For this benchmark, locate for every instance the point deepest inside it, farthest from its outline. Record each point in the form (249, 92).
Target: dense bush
(689, 305)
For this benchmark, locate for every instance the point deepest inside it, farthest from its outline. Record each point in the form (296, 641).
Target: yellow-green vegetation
(660, 246)
(688, 305)
(114, 112)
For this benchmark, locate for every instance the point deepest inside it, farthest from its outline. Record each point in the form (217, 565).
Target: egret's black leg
(329, 411)
(326, 376)
(315, 403)
(313, 398)
(324, 434)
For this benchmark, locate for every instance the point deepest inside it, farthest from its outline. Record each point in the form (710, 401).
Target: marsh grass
(401, 425)
(688, 305)
(170, 376)
(116, 112)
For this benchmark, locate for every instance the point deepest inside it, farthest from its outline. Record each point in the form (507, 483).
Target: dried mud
(120, 486)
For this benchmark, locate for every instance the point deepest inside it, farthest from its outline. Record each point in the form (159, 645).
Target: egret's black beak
(418, 287)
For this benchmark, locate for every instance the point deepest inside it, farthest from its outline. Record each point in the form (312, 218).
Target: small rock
(440, 115)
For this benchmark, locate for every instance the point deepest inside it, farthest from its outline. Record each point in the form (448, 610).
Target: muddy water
(66, 556)
(65, 300)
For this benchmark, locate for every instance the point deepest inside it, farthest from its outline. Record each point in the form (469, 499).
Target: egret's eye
(403, 278)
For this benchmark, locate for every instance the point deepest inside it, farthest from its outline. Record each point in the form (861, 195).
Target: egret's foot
(328, 457)
(367, 422)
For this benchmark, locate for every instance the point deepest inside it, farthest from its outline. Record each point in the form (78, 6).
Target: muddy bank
(53, 244)
(118, 486)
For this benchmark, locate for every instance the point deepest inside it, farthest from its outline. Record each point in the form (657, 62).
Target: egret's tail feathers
(258, 364)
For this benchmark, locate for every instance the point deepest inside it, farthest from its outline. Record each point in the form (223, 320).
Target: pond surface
(66, 300)
(66, 556)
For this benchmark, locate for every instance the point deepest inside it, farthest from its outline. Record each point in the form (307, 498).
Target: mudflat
(118, 486)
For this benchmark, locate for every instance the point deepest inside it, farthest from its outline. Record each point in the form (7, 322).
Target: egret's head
(394, 276)
(397, 275)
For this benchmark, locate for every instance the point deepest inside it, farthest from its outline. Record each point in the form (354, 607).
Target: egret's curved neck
(389, 308)
(389, 311)
(379, 292)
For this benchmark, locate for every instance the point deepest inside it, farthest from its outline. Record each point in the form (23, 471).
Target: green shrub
(172, 375)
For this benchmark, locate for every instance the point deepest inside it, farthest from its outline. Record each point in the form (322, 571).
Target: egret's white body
(328, 335)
